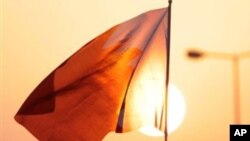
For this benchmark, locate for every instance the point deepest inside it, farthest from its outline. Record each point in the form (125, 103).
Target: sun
(176, 113)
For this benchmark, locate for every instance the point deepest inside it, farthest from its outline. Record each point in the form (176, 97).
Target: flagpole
(167, 63)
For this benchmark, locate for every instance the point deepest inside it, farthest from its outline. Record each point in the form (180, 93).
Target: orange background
(36, 36)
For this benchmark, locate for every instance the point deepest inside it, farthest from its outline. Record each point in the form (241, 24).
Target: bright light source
(176, 112)
(176, 108)
(151, 131)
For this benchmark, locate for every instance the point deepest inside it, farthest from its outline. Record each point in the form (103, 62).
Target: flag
(116, 82)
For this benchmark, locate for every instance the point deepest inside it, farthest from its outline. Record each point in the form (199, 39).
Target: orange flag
(116, 82)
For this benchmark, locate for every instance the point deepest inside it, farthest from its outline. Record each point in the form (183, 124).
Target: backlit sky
(39, 35)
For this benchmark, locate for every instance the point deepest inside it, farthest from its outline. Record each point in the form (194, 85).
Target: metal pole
(236, 88)
(167, 63)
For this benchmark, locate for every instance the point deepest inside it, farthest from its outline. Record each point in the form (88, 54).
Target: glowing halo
(176, 113)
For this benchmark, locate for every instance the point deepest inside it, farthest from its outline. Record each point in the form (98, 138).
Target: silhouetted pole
(167, 67)
(235, 58)
(236, 85)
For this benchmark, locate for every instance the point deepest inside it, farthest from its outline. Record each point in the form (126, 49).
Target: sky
(36, 36)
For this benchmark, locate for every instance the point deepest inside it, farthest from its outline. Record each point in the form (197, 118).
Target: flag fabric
(116, 82)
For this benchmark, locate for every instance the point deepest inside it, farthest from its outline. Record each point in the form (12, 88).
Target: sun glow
(176, 113)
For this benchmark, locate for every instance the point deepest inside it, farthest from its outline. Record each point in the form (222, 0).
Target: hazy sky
(39, 35)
